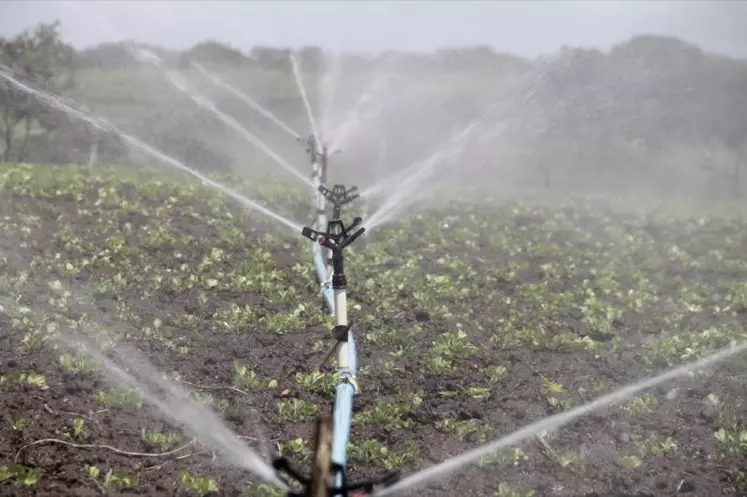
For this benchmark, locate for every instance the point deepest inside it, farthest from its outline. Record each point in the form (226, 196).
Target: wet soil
(698, 467)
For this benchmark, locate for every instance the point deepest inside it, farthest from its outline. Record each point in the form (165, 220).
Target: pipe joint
(341, 332)
(350, 380)
(339, 282)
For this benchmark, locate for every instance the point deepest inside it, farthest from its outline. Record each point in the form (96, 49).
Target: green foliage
(653, 115)
(37, 56)
(197, 485)
(523, 307)
(19, 474)
(214, 53)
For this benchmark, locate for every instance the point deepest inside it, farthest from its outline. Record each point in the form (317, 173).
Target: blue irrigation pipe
(346, 389)
(329, 237)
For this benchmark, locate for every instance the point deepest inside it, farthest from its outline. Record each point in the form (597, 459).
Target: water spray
(296, 67)
(357, 114)
(178, 82)
(328, 473)
(56, 102)
(176, 404)
(247, 100)
(330, 236)
(551, 423)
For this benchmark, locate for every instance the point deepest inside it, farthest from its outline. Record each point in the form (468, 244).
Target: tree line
(652, 112)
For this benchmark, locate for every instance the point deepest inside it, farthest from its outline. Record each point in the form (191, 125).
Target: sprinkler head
(339, 196)
(337, 236)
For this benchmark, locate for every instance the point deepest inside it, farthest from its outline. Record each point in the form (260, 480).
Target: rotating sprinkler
(329, 463)
(324, 257)
(338, 196)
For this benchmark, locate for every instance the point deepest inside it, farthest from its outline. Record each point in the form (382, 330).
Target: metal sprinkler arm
(339, 196)
(337, 236)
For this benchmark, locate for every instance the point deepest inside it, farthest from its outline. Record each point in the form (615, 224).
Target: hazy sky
(524, 27)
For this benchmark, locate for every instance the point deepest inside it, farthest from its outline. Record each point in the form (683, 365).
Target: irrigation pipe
(330, 237)
(320, 255)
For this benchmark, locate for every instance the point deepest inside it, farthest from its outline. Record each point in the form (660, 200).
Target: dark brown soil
(700, 465)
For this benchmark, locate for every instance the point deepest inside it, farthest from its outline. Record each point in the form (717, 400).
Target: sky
(526, 28)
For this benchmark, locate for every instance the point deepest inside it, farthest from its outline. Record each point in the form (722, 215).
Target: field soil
(514, 312)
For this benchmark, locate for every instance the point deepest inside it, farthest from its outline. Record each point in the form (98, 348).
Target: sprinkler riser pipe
(343, 357)
(341, 307)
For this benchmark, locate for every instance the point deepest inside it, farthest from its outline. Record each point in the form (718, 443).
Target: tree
(40, 58)
(106, 56)
(272, 58)
(215, 53)
(311, 59)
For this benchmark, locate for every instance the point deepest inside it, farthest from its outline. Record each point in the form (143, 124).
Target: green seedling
(160, 440)
(296, 411)
(111, 481)
(113, 398)
(21, 475)
(467, 430)
(505, 490)
(199, 486)
(386, 414)
(245, 378)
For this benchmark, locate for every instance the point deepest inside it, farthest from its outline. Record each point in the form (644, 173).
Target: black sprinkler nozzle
(353, 237)
(309, 233)
(337, 236)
